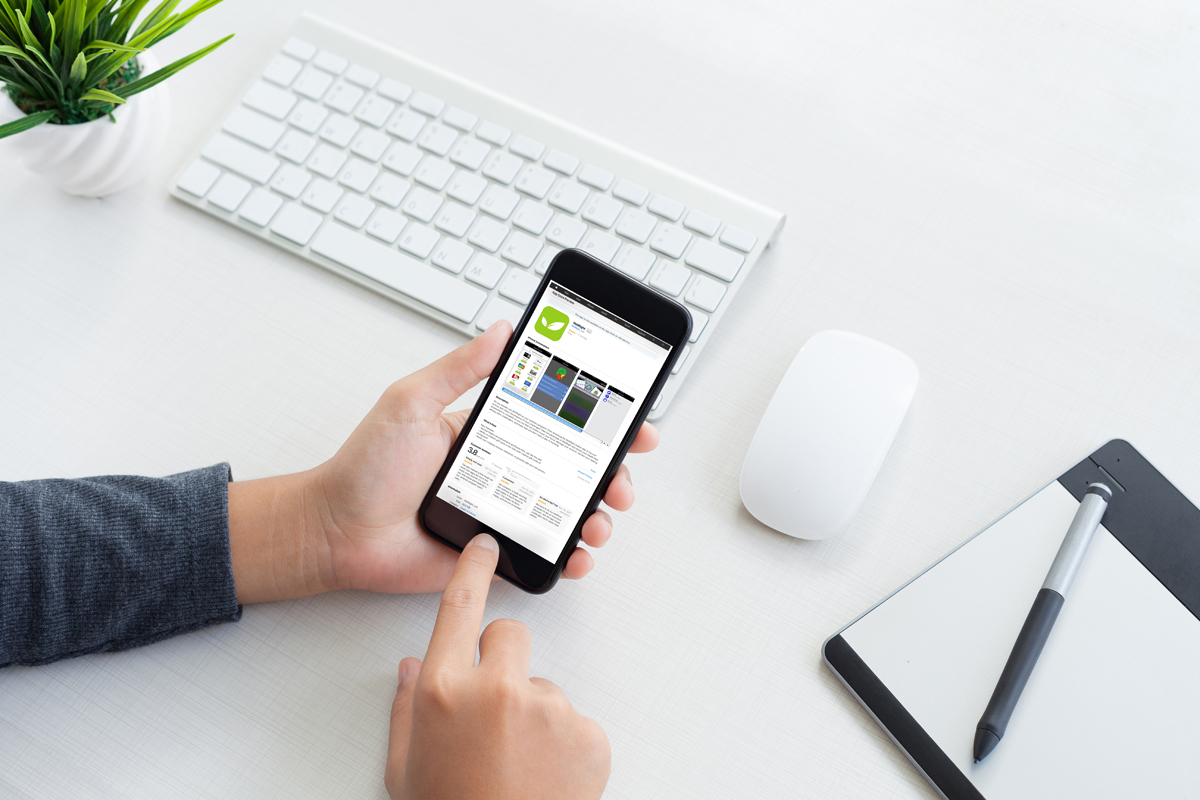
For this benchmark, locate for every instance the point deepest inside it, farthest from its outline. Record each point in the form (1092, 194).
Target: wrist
(276, 538)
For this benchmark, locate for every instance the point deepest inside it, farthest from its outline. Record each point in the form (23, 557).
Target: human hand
(351, 523)
(462, 732)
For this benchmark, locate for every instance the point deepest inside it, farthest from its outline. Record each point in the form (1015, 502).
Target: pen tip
(985, 742)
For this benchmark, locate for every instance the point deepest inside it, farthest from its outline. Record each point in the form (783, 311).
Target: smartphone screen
(548, 431)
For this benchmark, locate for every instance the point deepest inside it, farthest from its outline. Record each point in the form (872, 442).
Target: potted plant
(75, 76)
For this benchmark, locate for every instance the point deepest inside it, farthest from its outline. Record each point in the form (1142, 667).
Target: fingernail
(493, 326)
(486, 542)
(405, 668)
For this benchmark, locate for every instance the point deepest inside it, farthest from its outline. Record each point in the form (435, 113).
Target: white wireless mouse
(825, 433)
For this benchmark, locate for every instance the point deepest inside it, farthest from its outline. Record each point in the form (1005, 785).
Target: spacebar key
(398, 271)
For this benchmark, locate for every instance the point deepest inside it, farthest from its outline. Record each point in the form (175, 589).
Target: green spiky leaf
(25, 123)
(160, 75)
(79, 69)
(74, 59)
(101, 96)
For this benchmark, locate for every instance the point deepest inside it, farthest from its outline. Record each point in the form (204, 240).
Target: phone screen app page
(553, 422)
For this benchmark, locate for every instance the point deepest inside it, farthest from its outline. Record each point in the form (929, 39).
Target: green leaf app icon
(551, 323)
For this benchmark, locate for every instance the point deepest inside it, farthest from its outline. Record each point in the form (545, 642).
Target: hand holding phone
(466, 732)
(545, 441)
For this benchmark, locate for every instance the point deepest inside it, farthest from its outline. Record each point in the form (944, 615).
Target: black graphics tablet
(1111, 708)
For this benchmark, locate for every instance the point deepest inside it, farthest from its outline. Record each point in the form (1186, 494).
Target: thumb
(445, 380)
(410, 670)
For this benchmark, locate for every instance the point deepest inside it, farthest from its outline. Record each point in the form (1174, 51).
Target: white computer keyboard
(451, 199)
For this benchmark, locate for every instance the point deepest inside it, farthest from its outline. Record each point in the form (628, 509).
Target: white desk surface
(1008, 192)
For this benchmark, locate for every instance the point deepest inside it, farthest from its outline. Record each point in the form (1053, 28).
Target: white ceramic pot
(101, 157)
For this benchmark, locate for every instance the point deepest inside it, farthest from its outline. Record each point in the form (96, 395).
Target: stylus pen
(1041, 618)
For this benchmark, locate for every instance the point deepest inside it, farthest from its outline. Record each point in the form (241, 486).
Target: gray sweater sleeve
(111, 563)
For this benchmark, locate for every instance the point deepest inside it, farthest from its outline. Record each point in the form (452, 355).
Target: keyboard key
(666, 207)
(568, 195)
(229, 192)
(529, 148)
(312, 83)
(358, 175)
(374, 110)
(354, 210)
(404, 274)
(636, 225)
(419, 240)
(670, 241)
(670, 278)
(493, 133)
(198, 178)
(260, 207)
(282, 70)
(519, 286)
(532, 217)
(535, 181)
(455, 219)
(543, 263)
(630, 192)
(370, 144)
(736, 237)
(330, 62)
(433, 173)
(298, 48)
(339, 130)
(496, 310)
(559, 161)
(499, 202)
(705, 293)
(683, 357)
(422, 204)
(344, 97)
(502, 167)
(521, 249)
(715, 260)
(406, 125)
(244, 159)
(437, 138)
(485, 270)
(270, 100)
(327, 161)
(322, 195)
(488, 234)
(361, 76)
(634, 261)
(457, 118)
(470, 153)
(291, 181)
(596, 177)
(308, 116)
(394, 90)
(452, 255)
(566, 231)
(295, 147)
(601, 245)
(254, 128)
(390, 190)
(602, 210)
(466, 187)
(427, 104)
(402, 158)
(296, 224)
(702, 223)
(698, 322)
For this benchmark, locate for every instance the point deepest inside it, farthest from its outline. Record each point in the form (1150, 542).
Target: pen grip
(1021, 661)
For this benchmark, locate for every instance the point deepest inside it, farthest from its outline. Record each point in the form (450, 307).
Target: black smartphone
(575, 383)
